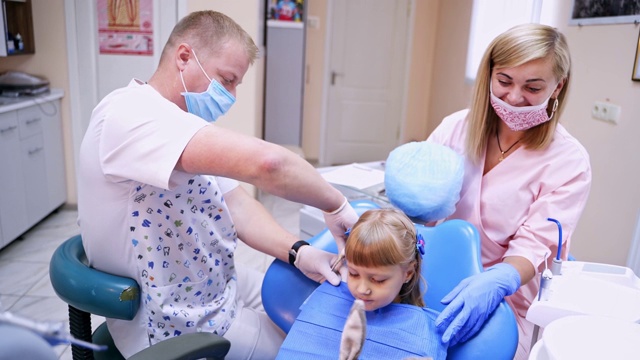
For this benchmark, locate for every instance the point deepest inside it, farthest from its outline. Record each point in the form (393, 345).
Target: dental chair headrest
(423, 179)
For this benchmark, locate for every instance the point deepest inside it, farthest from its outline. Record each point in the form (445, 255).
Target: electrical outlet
(606, 111)
(313, 22)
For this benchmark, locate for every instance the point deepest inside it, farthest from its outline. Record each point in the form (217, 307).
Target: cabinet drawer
(30, 121)
(8, 126)
(35, 178)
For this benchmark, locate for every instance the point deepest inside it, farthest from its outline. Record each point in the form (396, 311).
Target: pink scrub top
(510, 204)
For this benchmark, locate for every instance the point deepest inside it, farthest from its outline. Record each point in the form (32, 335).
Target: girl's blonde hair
(387, 237)
(517, 46)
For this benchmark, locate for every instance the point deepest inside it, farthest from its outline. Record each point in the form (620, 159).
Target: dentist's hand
(339, 221)
(316, 264)
(471, 302)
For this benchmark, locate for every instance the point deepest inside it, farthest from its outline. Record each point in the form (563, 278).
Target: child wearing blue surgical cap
(423, 179)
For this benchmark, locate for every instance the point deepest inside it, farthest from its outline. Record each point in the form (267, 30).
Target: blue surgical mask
(212, 103)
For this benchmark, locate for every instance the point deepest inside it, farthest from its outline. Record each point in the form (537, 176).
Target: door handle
(333, 77)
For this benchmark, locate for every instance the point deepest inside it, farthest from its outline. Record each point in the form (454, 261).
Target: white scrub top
(168, 230)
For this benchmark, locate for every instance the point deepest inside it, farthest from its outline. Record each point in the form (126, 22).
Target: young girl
(383, 256)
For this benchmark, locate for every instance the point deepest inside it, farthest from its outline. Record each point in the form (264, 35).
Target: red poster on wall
(125, 27)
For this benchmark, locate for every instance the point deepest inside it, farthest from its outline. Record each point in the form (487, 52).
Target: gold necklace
(502, 152)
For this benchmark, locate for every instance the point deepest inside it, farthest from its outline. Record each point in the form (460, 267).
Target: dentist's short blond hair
(208, 32)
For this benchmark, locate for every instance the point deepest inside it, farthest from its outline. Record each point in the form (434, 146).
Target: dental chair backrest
(452, 253)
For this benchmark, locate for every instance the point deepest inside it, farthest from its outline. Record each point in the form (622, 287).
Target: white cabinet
(13, 207)
(32, 174)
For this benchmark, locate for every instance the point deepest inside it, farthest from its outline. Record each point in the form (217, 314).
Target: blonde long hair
(517, 46)
(387, 237)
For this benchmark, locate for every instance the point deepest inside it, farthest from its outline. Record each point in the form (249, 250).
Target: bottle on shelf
(19, 43)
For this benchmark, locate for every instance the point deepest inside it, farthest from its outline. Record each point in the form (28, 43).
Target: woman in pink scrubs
(521, 168)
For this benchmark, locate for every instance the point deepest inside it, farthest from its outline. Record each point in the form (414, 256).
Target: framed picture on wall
(636, 63)
(285, 10)
(595, 12)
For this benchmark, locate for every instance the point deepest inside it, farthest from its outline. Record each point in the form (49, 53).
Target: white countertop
(9, 104)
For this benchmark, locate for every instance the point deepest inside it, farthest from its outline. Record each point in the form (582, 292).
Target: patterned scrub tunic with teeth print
(168, 230)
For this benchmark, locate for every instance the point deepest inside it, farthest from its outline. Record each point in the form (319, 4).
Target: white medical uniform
(170, 231)
(510, 204)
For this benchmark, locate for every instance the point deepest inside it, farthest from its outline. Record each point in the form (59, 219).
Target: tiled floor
(25, 289)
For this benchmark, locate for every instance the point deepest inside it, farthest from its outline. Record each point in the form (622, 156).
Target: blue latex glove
(473, 300)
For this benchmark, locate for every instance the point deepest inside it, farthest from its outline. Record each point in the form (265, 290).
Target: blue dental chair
(452, 253)
(89, 291)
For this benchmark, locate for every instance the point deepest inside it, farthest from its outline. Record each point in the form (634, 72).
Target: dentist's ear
(183, 55)
(559, 87)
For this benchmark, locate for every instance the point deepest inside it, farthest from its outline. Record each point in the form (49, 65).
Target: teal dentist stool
(89, 291)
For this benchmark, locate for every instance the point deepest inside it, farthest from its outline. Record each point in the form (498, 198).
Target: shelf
(285, 24)
(17, 20)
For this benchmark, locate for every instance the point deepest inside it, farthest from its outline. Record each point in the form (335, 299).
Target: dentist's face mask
(522, 117)
(212, 103)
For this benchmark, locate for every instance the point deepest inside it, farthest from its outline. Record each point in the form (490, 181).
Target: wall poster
(595, 12)
(125, 27)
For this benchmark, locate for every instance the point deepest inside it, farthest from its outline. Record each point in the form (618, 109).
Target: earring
(554, 108)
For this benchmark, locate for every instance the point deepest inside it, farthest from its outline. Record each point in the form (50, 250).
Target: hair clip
(348, 232)
(420, 244)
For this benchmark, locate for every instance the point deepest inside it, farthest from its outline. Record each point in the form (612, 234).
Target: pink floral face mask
(521, 117)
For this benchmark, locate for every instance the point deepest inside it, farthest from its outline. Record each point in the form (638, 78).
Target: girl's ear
(411, 271)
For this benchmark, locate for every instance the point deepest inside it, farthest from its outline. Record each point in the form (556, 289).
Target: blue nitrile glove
(473, 300)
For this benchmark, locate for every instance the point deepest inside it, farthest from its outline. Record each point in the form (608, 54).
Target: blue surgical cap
(423, 179)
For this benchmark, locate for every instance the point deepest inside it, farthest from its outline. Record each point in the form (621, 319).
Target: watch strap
(293, 252)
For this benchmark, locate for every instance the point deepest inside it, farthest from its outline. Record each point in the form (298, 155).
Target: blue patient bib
(394, 332)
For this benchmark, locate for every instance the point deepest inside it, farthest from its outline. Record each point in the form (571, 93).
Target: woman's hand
(471, 302)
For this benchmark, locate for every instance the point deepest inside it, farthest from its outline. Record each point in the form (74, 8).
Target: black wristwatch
(293, 252)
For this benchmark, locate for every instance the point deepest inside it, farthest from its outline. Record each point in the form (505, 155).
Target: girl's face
(526, 85)
(377, 286)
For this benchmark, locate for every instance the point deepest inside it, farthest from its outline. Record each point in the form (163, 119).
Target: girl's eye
(378, 281)
(353, 275)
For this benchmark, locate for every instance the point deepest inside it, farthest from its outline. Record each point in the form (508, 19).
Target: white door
(94, 75)
(366, 72)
